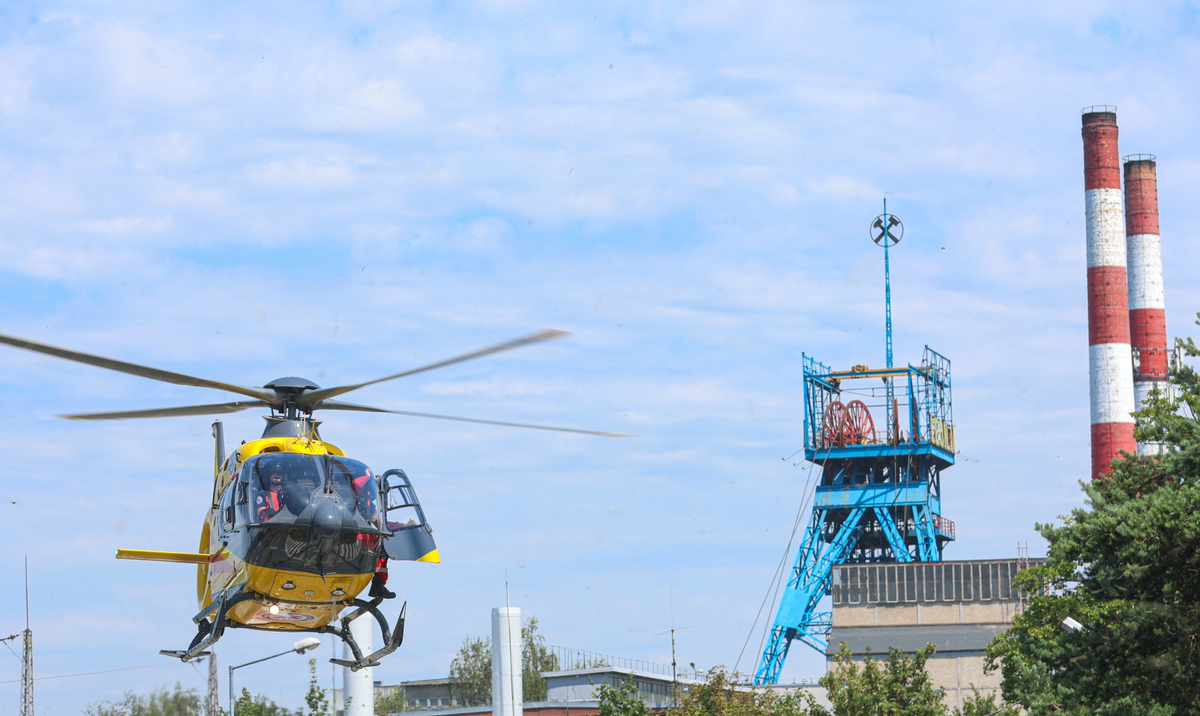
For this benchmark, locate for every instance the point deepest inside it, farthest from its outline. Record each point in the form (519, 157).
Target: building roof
(596, 671)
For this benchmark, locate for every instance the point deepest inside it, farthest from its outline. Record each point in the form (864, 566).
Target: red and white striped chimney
(1110, 358)
(1147, 306)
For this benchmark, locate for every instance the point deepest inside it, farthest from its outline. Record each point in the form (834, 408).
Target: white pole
(358, 687)
(507, 696)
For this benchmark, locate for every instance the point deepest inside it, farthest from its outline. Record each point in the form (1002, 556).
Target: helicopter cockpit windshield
(287, 488)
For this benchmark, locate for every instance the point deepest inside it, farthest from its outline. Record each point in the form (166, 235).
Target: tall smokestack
(1109, 356)
(1147, 306)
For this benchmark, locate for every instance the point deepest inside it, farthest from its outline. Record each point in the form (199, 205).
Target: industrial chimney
(1109, 355)
(1147, 306)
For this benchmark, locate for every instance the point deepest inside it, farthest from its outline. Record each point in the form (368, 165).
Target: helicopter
(296, 529)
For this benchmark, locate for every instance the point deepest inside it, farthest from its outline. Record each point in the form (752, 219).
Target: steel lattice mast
(27, 674)
(27, 656)
(879, 497)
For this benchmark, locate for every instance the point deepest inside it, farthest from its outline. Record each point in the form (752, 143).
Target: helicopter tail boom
(148, 555)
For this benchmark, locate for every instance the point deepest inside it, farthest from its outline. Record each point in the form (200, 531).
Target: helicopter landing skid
(391, 640)
(208, 632)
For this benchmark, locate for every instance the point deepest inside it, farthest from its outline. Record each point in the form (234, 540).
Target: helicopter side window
(401, 504)
(227, 508)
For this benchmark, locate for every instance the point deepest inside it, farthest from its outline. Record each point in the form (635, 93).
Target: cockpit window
(281, 485)
(363, 494)
(284, 486)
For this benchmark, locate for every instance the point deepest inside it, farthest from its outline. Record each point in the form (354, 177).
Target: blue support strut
(809, 582)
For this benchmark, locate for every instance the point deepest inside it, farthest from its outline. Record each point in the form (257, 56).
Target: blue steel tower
(879, 496)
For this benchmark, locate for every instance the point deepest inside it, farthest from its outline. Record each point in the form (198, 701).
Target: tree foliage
(985, 705)
(720, 695)
(395, 702)
(471, 669)
(165, 701)
(471, 672)
(536, 658)
(317, 698)
(899, 686)
(621, 700)
(248, 704)
(1126, 566)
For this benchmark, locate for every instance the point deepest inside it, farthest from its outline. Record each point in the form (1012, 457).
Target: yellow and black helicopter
(296, 529)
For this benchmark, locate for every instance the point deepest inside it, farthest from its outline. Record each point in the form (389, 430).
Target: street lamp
(1073, 625)
(300, 647)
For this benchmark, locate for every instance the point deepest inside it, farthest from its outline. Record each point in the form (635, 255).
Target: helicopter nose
(327, 518)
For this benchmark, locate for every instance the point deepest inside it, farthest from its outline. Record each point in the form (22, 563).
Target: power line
(90, 673)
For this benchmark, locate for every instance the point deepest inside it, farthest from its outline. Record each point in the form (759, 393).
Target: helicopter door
(412, 537)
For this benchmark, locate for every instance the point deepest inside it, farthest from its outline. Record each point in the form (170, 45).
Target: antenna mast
(887, 281)
(887, 231)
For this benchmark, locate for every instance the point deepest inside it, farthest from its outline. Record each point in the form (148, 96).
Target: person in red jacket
(365, 490)
(268, 501)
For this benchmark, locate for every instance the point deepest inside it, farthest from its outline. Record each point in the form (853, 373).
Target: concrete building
(959, 606)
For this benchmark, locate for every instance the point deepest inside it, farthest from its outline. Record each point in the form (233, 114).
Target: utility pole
(27, 656)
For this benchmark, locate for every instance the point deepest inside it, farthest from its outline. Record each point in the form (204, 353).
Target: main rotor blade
(135, 369)
(313, 397)
(339, 405)
(214, 409)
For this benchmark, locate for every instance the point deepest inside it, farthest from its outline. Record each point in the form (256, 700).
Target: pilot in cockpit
(269, 500)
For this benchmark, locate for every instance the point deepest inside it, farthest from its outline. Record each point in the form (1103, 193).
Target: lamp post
(300, 647)
(1073, 625)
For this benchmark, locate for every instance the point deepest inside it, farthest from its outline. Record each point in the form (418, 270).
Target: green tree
(316, 698)
(1127, 567)
(395, 702)
(722, 695)
(164, 701)
(899, 686)
(621, 700)
(471, 672)
(250, 705)
(536, 658)
(979, 705)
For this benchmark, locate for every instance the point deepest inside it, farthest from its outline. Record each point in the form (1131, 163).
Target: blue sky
(341, 191)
